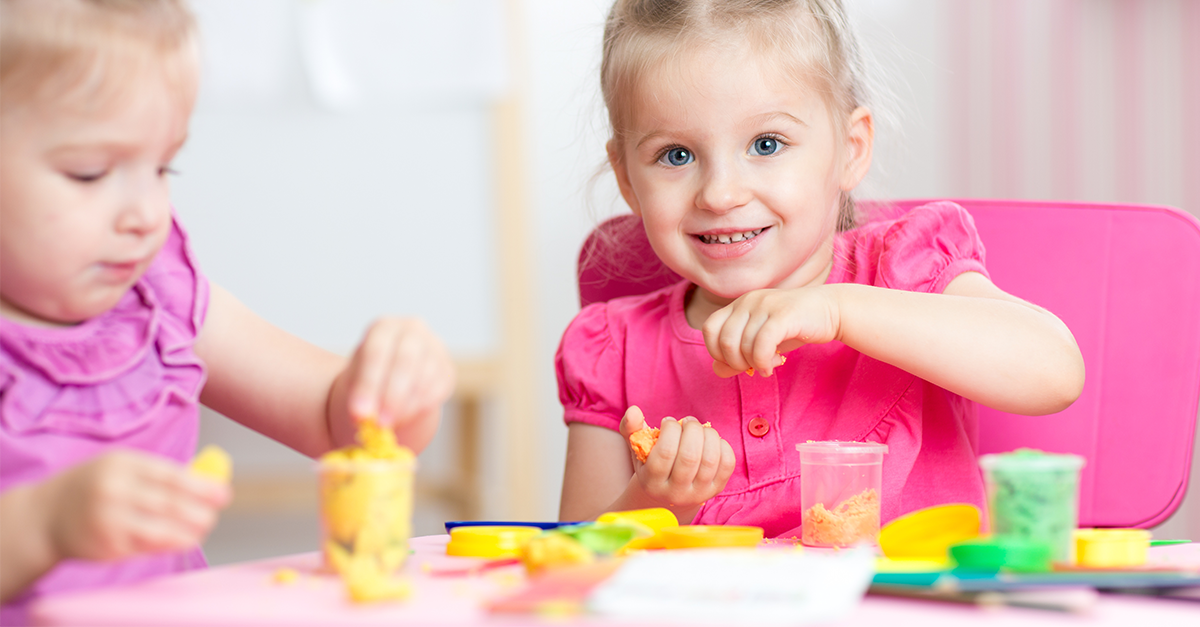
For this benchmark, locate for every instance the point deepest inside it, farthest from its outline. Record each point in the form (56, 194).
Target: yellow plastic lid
(1111, 548)
(489, 542)
(708, 536)
(655, 517)
(929, 533)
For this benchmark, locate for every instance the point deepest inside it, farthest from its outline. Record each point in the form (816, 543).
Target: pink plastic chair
(1124, 278)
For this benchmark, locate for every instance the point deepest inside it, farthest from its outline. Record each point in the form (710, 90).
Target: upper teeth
(729, 238)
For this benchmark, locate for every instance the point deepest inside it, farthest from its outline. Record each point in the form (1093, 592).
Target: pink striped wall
(1105, 61)
(1190, 28)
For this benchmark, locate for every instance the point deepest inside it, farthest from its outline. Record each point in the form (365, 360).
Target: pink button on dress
(125, 379)
(640, 351)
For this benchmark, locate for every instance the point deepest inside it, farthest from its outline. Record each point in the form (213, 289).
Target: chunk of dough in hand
(212, 462)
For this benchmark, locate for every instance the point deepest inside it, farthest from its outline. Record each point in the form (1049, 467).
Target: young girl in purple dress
(111, 337)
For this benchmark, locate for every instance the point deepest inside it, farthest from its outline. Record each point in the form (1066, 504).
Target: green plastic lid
(995, 554)
(1030, 460)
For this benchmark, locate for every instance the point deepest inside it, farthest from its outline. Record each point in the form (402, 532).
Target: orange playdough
(853, 520)
(642, 441)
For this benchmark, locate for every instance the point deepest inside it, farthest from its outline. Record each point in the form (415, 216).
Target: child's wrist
(42, 501)
(36, 501)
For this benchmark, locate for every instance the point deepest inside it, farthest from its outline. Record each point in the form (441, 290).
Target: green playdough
(605, 538)
(1034, 496)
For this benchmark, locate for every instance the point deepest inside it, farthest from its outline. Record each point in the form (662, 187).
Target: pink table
(246, 594)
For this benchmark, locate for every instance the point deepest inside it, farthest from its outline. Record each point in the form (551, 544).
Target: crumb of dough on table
(854, 519)
(285, 576)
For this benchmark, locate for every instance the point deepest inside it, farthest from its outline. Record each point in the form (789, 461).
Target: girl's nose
(143, 214)
(722, 189)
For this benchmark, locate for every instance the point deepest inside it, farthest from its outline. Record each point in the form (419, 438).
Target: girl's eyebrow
(649, 136)
(780, 114)
(756, 120)
(109, 144)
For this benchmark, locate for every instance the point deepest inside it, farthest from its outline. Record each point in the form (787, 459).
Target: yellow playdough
(214, 463)
(553, 550)
(366, 512)
(285, 576)
(655, 518)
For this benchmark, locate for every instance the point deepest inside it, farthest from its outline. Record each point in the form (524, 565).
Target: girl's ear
(860, 141)
(617, 161)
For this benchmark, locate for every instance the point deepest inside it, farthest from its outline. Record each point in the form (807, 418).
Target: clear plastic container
(840, 485)
(366, 514)
(1034, 496)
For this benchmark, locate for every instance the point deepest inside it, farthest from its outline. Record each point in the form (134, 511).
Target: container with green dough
(1034, 495)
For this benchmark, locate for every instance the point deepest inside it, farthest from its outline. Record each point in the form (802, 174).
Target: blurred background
(353, 158)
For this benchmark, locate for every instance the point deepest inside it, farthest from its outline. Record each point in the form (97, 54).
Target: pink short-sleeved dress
(640, 351)
(125, 379)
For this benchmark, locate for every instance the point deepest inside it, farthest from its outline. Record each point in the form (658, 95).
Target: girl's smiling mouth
(730, 238)
(727, 244)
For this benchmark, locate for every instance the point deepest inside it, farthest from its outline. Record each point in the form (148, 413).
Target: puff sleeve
(925, 249)
(590, 368)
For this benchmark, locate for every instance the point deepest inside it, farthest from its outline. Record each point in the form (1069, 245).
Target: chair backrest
(1126, 281)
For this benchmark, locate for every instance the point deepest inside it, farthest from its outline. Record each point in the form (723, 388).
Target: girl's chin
(725, 292)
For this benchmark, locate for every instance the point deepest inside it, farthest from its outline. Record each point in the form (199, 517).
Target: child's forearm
(26, 550)
(998, 351)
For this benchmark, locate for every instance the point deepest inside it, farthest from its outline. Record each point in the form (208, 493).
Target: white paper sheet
(736, 586)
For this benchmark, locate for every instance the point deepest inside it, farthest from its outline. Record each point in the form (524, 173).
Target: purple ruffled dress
(125, 379)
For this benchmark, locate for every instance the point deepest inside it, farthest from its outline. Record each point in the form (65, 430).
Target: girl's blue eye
(677, 156)
(764, 146)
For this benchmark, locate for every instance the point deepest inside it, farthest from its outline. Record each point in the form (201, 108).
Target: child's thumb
(634, 420)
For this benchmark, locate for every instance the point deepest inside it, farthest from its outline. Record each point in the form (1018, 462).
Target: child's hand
(688, 465)
(399, 372)
(127, 503)
(753, 331)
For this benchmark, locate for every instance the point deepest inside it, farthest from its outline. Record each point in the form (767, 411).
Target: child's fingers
(438, 377)
(751, 336)
(160, 534)
(725, 470)
(633, 420)
(689, 453)
(711, 330)
(185, 500)
(662, 456)
(764, 352)
(398, 388)
(369, 370)
(729, 340)
(724, 370)
(710, 461)
(421, 377)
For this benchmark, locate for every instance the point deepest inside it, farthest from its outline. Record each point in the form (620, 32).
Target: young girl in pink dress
(739, 129)
(110, 336)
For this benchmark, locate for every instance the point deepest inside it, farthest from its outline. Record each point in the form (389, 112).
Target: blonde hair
(812, 38)
(91, 51)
